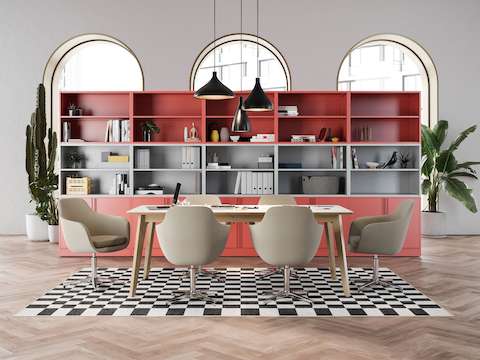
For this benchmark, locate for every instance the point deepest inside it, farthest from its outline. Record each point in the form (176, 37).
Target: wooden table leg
(342, 257)
(331, 250)
(137, 257)
(148, 251)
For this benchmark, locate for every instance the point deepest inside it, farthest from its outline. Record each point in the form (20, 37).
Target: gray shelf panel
(239, 157)
(291, 182)
(386, 183)
(381, 154)
(92, 156)
(165, 157)
(191, 181)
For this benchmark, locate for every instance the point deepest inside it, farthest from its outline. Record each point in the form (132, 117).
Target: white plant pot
(53, 234)
(37, 229)
(434, 224)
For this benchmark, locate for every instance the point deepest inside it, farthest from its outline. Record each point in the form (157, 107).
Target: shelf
(373, 117)
(320, 117)
(310, 170)
(88, 143)
(142, 117)
(317, 143)
(241, 169)
(94, 196)
(100, 170)
(94, 117)
(241, 143)
(171, 170)
(384, 170)
(167, 143)
(250, 116)
(379, 143)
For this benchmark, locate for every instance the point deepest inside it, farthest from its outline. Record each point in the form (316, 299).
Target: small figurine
(404, 160)
(391, 162)
(193, 134)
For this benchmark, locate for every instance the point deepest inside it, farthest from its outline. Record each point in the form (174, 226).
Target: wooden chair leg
(331, 250)
(342, 256)
(137, 257)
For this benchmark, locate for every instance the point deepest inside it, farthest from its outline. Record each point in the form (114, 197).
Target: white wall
(167, 35)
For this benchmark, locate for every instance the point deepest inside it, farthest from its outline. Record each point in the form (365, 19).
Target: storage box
(118, 158)
(320, 184)
(78, 185)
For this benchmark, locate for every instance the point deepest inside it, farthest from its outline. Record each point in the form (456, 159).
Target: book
(237, 182)
(244, 183)
(354, 158)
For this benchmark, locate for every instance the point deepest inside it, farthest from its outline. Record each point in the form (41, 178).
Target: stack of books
(254, 183)
(117, 130)
(337, 157)
(217, 165)
(190, 157)
(120, 185)
(142, 158)
(303, 138)
(288, 110)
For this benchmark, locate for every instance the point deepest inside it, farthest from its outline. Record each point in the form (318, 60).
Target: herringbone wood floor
(448, 271)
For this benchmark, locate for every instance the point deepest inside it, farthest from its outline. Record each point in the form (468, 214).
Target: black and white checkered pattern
(239, 295)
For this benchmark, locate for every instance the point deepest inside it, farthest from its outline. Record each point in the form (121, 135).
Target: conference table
(329, 215)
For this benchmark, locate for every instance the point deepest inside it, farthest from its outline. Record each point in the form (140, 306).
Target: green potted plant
(40, 167)
(148, 128)
(441, 171)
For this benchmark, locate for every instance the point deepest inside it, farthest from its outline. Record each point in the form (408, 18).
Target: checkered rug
(240, 294)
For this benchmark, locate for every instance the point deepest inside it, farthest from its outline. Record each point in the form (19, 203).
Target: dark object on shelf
(74, 159)
(149, 127)
(74, 110)
(321, 184)
(393, 160)
(177, 192)
(290, 165)
(244, 139)
(240, 122)
(404, 160)
(325, 134)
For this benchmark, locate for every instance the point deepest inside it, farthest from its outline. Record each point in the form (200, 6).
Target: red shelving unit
(393, 117)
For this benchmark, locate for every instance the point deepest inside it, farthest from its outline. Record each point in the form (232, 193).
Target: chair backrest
(287, 235)
(77, 221)
(203, 200)
(387, 237)
(277, 200)
(191, 235)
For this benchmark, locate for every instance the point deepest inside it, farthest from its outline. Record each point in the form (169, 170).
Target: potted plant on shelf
(40, 166)
(149, 127)
(441, 171)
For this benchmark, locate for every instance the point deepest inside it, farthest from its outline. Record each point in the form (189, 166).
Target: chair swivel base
(364, 284)
(94, 282)
(272, 271)
(212, 274)
(195, 295)
(283, 294)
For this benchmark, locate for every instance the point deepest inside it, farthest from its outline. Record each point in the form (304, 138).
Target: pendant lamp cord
(214, 36)
(241, 45)
(258, 57)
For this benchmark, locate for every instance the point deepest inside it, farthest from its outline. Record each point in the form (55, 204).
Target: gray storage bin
(320, 184)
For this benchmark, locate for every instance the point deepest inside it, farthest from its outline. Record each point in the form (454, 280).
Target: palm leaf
(458, 190)
(429, 142)
(440, 132)
(462, 174)
(463, 135)
(467, 165)
(446, 162)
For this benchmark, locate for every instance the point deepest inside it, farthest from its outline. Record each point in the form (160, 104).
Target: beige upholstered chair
(86, 231)
(383, 235)
(276, 200)
(287, 236)
(191, 236)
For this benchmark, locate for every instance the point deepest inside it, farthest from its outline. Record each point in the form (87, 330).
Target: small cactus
(40, 162)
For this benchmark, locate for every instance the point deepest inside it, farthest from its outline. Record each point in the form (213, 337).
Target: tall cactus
(40, 161)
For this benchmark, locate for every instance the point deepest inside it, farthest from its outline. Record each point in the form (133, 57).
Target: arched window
(91, 62)
(392, 63)
(273, 68)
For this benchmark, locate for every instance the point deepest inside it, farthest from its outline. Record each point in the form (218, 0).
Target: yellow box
(118, 158)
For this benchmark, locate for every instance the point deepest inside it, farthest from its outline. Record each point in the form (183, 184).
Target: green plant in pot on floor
(148, 128)
(442, 172)
(40, 155)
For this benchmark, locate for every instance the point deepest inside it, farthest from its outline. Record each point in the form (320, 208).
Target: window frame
(234, 38)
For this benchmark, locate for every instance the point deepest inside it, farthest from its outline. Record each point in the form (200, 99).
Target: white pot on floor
(37, 229)
(434, 224)
(53, 234)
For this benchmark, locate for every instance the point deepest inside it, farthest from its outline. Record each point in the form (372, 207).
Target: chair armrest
(110, 225)
(76, 236)
(385, 238)
(357, 225)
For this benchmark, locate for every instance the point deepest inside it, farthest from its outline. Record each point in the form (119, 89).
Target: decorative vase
(37, 229)
(214, 136)
(434, 224)
(53, 234)
(147, 136)
(224, 134)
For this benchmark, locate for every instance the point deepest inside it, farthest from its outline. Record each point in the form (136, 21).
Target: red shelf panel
(97, 104)
(166, 104)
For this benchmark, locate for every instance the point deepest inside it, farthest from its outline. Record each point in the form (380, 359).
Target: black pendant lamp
(257, 100)
(240, 122)
(214, 89)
